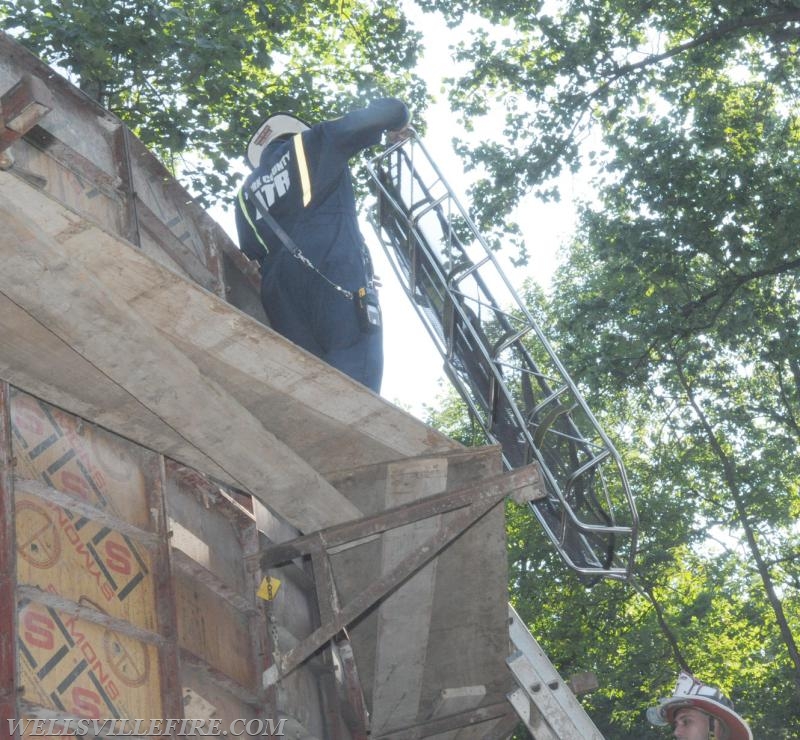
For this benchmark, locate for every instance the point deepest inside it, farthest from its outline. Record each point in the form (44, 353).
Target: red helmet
(689, 692)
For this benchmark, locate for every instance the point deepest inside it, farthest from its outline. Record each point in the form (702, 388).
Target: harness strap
(284, 238)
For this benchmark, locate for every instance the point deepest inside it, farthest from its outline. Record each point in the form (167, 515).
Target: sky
(413, 376)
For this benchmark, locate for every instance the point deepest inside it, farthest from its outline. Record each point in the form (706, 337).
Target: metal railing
(501, 363)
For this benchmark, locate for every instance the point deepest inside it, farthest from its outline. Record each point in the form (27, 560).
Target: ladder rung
(431, 205)
(455, 279)
(511, 339)
(593, 463)
(549, 399)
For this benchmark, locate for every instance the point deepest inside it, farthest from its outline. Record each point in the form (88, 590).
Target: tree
(193, 79)
(679, 295)
(562, 72)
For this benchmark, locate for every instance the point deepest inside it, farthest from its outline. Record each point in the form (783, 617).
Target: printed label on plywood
(81, 460)
(81, 668)
(74, 557)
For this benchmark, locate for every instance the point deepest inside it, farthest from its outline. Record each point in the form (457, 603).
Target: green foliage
(564, 72)
(194, 79)
(677, 310)
(705, 404)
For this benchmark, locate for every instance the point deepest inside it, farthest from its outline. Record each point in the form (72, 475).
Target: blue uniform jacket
(305, 184)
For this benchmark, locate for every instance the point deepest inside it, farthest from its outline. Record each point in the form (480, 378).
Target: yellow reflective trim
(302, 165)
(249, 220)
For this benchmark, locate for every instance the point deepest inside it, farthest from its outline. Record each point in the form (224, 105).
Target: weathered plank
(404, 618)
(42, 278)
(344, 424)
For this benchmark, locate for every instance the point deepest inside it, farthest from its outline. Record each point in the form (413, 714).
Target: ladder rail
(491, 358)
(520, 305)
(462, 388)
(531, 368)
(485, 374)
(478, 412)
(502, 316)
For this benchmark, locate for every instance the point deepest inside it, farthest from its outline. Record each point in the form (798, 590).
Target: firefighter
(296, 216)
(697, 711)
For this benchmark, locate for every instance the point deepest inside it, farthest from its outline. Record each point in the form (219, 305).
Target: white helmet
(689, 692)
(281, 124)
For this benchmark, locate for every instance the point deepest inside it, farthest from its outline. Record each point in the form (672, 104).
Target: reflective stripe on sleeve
(302, 165)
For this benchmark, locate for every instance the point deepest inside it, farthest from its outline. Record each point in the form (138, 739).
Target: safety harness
(365, 297)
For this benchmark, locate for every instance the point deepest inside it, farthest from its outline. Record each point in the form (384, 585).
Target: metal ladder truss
(501, 363)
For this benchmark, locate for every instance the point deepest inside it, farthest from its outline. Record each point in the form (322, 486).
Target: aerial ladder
(500, 361)
(519, 393)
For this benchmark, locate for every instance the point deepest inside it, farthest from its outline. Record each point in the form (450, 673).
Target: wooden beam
(100, 516)
(286, 389)
(357, 717)
(166, 612)
(450, 723)
(504, 727)
(260, 632)
(9, 681)
(88, 614)
(404, 618)
(327, 598)
(527, 479)
(21, 108)
(218, 678)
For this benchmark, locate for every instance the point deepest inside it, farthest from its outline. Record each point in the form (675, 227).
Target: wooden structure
(200, 520)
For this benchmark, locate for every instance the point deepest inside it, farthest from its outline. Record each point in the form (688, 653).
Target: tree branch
(732, 481)
(735, 27)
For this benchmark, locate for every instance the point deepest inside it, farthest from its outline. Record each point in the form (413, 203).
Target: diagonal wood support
(357, 717)
(480, 499)
(360, 720)
(524, 484)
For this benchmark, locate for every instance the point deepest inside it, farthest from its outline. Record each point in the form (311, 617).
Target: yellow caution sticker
(268, 588)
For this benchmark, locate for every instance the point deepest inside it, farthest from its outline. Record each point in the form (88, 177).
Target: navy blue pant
(310, 312)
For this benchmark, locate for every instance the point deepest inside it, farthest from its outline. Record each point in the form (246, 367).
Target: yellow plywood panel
(69, 555)
(71, 665)
(81, 460)
(214, 630)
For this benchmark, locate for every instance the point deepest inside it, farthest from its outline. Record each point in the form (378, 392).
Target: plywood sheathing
(82, 565)
(204, 374)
